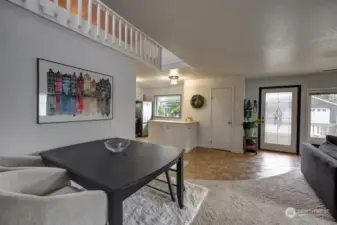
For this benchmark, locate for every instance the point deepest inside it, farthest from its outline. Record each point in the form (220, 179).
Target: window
(167, 106)
(323, 113)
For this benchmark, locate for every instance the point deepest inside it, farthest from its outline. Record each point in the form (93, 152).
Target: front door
(221, 118)
(279, 111)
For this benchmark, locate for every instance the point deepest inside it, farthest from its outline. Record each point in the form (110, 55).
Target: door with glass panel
(279, 111)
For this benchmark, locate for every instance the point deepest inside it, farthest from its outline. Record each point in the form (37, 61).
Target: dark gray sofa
(320, 171)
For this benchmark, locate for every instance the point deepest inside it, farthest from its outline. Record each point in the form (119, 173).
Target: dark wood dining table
(119, 175)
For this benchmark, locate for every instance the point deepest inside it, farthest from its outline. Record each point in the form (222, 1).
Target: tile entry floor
(209, 164)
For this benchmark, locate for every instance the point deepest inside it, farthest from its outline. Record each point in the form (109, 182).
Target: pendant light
(174, 76)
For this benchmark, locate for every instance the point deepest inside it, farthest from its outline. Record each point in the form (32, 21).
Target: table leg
(180, 181)
(115, 210)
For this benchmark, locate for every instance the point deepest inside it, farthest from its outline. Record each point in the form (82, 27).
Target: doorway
(279, 109)
(221, 118)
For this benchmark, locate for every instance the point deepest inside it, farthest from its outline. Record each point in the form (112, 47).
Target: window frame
(155, 106)
(312, 91)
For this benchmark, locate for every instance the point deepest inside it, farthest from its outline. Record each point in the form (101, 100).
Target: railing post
(141, 46)
(120, 32)
(56, 2)
(113, 28)
(131, 39)
(68, 10)
(126, 36)
(98, 28)
(89, 15)
(155, 51)
(79, 13)
(146, 49)
(160, 56)
(106, 24)
(151, 51)
(136, 40)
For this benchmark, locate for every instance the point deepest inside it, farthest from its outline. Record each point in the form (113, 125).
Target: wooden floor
(208, 164)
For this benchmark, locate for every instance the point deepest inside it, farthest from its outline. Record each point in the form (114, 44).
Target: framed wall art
(70, 94)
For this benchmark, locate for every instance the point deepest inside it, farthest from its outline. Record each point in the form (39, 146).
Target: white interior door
(221, 118)
(279, 108)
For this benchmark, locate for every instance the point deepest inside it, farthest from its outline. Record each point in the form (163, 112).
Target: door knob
(229, 122)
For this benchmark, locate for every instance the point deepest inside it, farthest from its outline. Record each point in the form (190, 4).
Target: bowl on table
(117, 145)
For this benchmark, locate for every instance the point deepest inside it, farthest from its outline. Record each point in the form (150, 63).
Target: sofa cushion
(329, 149)
(332, 139)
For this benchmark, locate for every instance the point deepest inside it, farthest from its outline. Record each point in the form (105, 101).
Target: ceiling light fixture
(174, 72)
(174, 76)
(173, 80)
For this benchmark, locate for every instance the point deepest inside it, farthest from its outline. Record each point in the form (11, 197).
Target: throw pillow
(332, 139)
(329, 149)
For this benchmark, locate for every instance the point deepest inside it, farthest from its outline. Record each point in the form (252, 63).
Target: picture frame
(70, 94)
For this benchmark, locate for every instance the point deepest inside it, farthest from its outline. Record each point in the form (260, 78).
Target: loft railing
(95, 20)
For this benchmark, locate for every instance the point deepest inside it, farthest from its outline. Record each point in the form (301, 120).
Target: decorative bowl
(117, 144)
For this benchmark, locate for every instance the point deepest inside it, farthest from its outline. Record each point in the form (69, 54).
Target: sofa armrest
(320, 171)
(85, 208)
(311, 152)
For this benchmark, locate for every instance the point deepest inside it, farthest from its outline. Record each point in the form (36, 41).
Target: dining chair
(32, 196)
(169, 182)
(9, 163)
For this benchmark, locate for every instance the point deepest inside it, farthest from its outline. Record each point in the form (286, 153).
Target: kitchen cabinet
(179, 134)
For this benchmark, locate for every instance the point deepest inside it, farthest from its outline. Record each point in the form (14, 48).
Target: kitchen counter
(174, 121)
(177, 133)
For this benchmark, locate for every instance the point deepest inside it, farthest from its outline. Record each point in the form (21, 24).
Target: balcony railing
(95, 20)
(320, 130)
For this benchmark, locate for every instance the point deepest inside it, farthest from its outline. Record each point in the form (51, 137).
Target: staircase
(94, 20)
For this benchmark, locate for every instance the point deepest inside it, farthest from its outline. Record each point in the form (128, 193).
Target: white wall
(204, 88)
(149, 93)
(26, 36)
(139, 93)
(306, 81)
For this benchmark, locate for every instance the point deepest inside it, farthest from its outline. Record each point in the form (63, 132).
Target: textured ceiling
(249, 37)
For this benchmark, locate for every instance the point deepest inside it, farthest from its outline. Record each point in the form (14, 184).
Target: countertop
(174, 121)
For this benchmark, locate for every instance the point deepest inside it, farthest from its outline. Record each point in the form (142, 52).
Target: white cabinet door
(156, 133)
(192, 137)
(176, 135)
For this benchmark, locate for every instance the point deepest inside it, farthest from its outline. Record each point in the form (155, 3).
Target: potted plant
(249, 127)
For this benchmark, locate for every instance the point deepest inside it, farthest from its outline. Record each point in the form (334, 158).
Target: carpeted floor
(147, 206)
(261, 202)
(249, 202)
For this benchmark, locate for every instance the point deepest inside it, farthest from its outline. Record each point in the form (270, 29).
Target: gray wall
(306, 81)
(25, 36)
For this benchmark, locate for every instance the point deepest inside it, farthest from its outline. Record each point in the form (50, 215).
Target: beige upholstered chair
(9, 163)
(27, 197)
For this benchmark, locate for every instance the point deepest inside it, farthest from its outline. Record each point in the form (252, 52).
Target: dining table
(119, 175)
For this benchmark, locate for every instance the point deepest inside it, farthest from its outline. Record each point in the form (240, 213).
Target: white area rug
(262, 202)
(150, 207)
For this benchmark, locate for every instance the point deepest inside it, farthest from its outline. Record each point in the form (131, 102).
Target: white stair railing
(102, 25)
